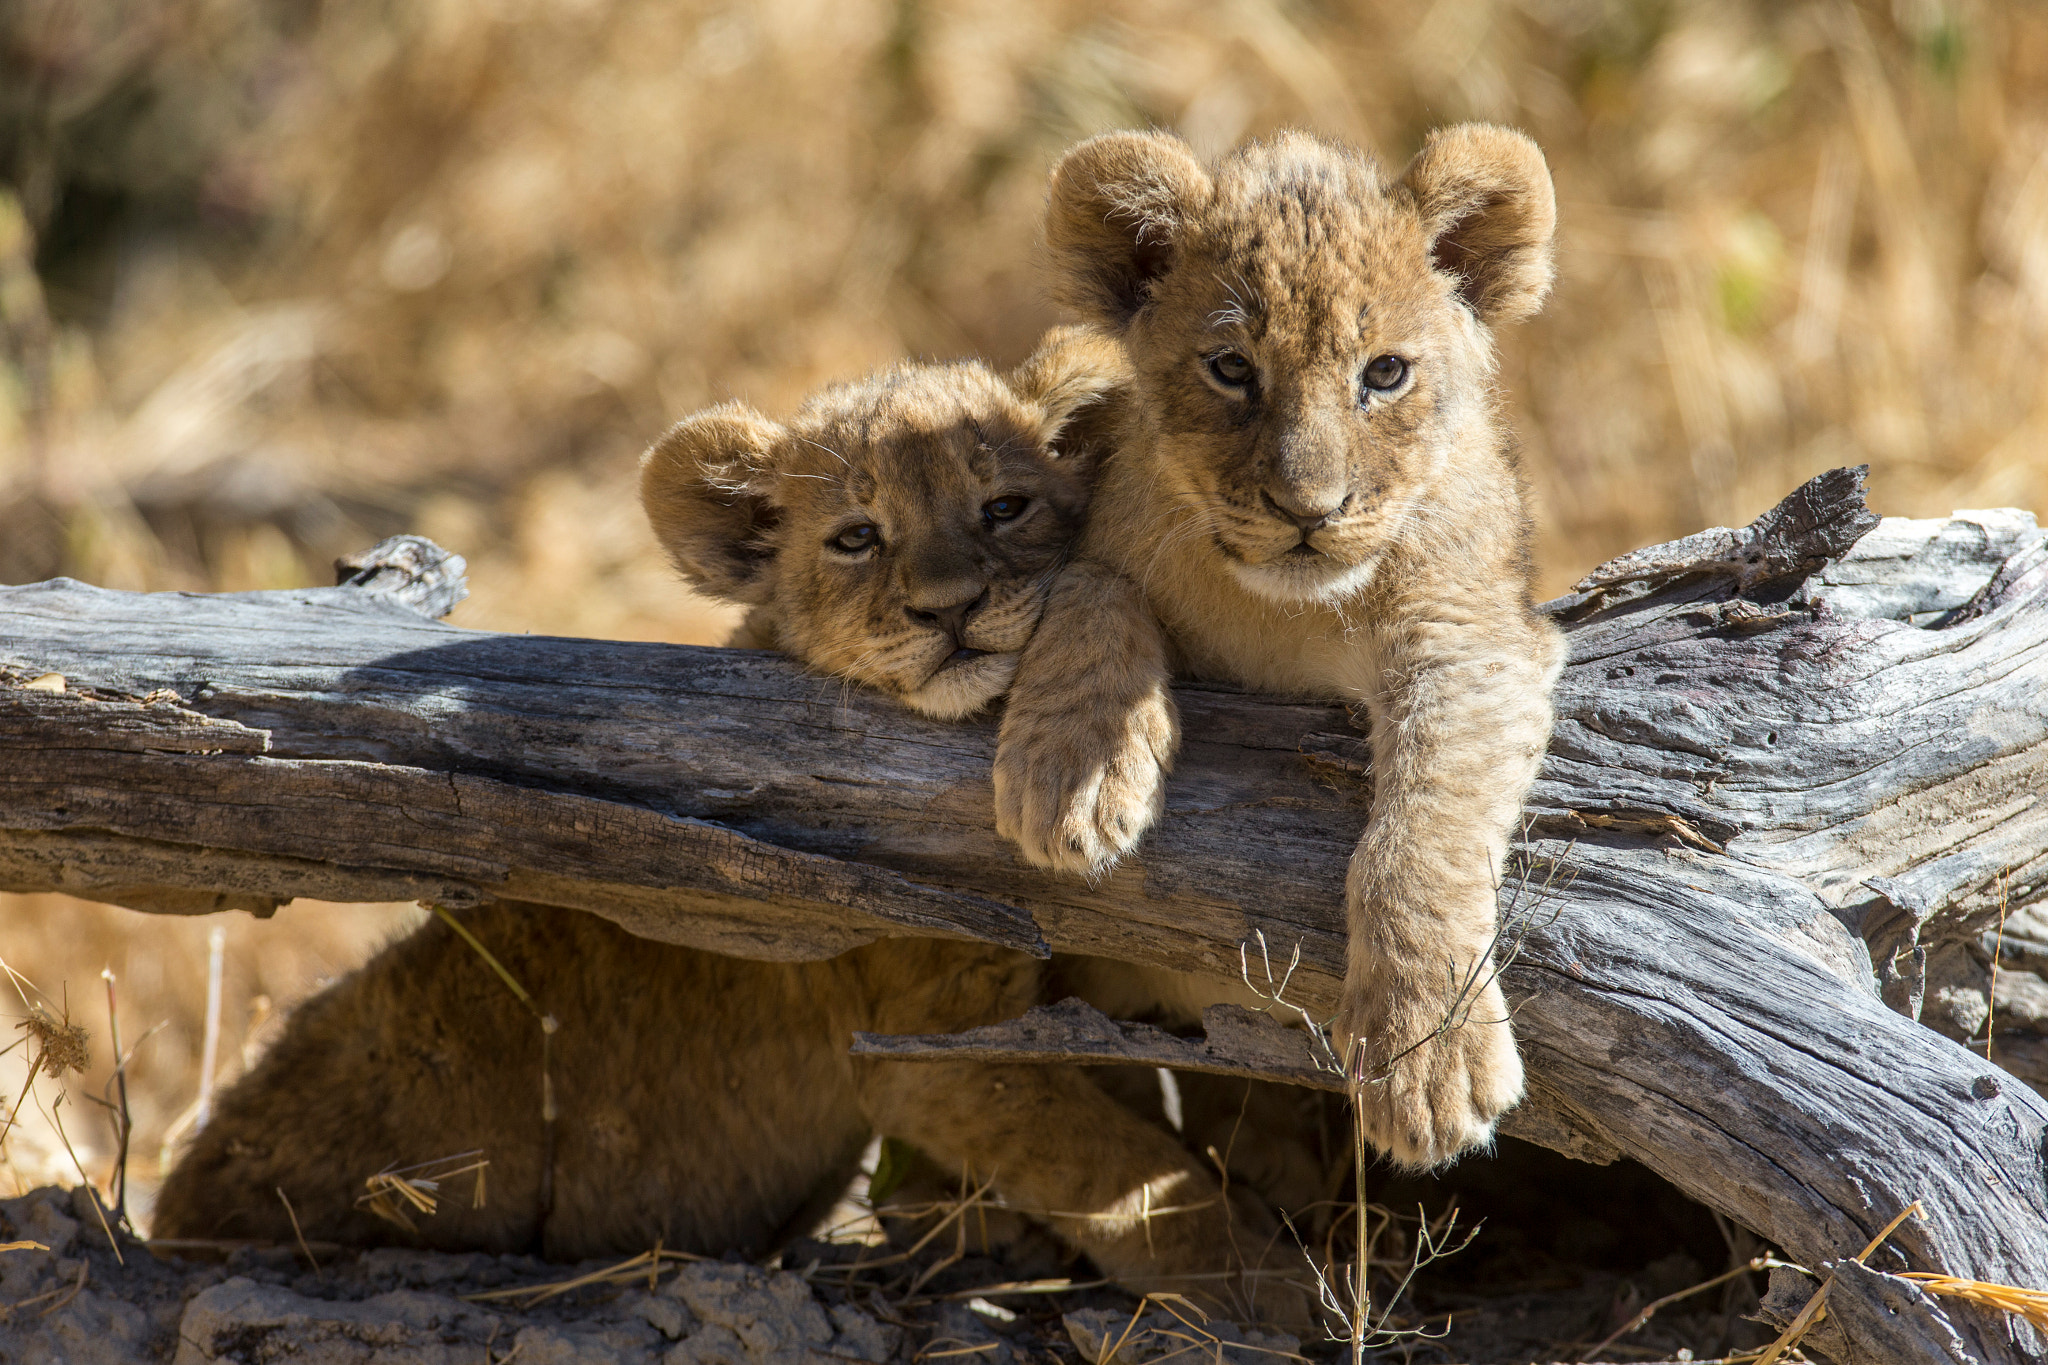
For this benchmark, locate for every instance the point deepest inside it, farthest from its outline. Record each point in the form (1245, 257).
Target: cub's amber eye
(1232, 369)
(1009, 507)
(854, 539)
(1385, 372)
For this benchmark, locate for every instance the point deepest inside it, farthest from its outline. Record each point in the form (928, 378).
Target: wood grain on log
(1777, 750)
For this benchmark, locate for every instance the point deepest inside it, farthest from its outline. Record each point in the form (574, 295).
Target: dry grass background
(278, 279)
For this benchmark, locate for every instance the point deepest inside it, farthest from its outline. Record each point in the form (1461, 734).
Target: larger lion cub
(1313, 495)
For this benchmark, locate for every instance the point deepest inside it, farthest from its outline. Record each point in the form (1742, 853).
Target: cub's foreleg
(1054, 1145)
(1460, 719)
(1144, 1209)
(1090, 729)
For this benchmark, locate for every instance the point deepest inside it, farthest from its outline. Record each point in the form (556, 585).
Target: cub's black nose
(951, 618)
(1310, 514)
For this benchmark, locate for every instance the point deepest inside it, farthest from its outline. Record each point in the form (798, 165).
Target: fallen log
(1789, 759)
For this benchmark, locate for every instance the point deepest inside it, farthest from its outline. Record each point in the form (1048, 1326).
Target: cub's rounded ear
(705, 486)
(1074, 369)
(1119, 206)
(1486, 202)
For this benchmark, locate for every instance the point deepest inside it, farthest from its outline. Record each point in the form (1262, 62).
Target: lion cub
(900, 532)
(1313, 494)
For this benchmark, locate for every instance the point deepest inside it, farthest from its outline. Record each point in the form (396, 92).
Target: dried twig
(63, 1294)
(1515, 925)
(1196, 1336)
(548, 1025)
(61, 1045)
(298, 1233)
(625, 1272)
(1649, 1310)
(2031, 1304)
(1503, 949)
(957, 1210)
(57, 1122)
(1997, 947)
(1054, 1286)
(1361, 1283)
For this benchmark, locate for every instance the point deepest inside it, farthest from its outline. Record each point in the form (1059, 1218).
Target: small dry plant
(61, 1047)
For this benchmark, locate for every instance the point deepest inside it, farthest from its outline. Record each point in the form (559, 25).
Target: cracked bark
(1790, 760)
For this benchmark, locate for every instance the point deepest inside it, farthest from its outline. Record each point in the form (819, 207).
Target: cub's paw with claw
(1077, 788)
(1431, 1074)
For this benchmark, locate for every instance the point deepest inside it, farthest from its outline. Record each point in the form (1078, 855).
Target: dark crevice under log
(1786, 756)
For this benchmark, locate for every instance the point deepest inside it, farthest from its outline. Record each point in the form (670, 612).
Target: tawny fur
(1274, 519)
(707, 1102)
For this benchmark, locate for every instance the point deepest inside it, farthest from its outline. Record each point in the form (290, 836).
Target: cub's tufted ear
(1486, 202)
(1073, 370)
(1118, 208)
(705, 487)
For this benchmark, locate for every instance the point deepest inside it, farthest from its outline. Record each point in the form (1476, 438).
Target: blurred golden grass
(277, 280)
(476, 255)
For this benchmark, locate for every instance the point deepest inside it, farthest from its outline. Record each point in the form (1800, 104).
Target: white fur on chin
(959, 690)
(1306, 584)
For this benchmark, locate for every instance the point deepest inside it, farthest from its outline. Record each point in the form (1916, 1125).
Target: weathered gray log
(1771, 757)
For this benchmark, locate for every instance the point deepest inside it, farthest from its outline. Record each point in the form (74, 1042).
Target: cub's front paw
(1076, 792)
(1432, 1073)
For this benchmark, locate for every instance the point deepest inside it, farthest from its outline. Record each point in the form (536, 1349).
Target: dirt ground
(1560, 1255)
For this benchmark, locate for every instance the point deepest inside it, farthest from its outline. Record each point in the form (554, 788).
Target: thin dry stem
(1997, 947)
(625, 1272)
(92, 1195)
(298, 1234)
(209, 1048)
(2031, 1304)
(1649, 1310)
(124, 1123)
(1816, 1307)
(549, 1025)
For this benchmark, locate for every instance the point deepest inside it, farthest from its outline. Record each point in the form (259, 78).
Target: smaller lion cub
(901, 532)
(1313, 494)
(920, 565)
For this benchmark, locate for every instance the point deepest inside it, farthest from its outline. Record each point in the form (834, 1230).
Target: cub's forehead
(918, 428)
(1299, 225)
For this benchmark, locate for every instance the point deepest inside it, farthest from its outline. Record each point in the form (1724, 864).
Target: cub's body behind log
(899, 532)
